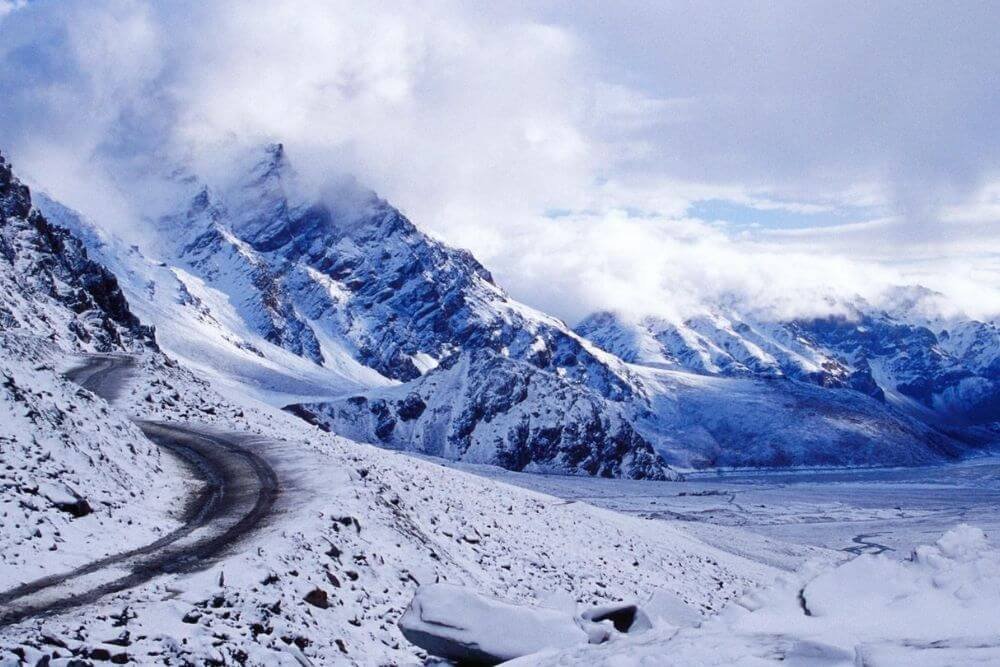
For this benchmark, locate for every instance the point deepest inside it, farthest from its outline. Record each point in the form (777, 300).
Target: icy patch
(424, 362)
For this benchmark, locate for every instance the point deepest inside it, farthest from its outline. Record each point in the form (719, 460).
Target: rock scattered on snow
(317, 597)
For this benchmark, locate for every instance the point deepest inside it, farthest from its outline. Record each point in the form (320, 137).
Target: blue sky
(689, 148)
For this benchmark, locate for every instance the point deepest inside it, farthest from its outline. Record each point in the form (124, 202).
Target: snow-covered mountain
(950, 367)
(343, 285)
(870, 384)
(483, 407)
(89, 505)
(333, 303)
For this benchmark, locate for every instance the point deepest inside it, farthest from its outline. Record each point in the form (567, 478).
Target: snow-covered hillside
(354, 532)
(79, 480)
(410, 345)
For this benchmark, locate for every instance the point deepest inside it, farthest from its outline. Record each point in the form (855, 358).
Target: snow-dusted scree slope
(78, 480)
(354, 533)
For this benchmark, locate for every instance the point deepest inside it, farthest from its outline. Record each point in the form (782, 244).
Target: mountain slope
(481, 407)
(332, 302)
(949, 367)
(50, 287)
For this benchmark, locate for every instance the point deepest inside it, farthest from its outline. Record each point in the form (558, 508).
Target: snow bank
(455, 623)
(950, 589)
(938, 607)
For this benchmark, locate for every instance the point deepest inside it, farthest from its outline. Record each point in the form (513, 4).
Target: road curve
(239, 491)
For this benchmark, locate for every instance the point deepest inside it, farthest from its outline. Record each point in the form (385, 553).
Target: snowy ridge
(872, 387)
(51, 288)
(950, 365)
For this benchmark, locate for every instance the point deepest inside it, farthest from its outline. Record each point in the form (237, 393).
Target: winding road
(238, 491)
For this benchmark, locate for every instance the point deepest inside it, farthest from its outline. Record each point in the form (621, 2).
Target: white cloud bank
(565, 150)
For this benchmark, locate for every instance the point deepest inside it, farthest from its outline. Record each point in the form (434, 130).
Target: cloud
(568, 150)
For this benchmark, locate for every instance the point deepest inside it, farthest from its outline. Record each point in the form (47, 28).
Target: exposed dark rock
(78, 508)
(626, 618)
(49, 262)
(317, 597)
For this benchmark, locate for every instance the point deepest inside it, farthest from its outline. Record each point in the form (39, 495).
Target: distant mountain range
(339, 307)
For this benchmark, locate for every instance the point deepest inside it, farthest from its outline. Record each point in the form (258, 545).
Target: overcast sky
(642, 156)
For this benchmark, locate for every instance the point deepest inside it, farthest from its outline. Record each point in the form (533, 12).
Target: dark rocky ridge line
(48, 261)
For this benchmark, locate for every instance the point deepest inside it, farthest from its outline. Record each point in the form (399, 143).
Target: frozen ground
(853, 511)
(907, 574)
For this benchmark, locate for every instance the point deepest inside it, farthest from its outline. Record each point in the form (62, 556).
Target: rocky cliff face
(50, 287)
(483, 407)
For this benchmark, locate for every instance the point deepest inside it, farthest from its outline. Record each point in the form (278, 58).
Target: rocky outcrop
(51, 287)
(464, 627)
(459, 625)
(482, 407)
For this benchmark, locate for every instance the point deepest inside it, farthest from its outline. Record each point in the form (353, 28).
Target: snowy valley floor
(871, 511)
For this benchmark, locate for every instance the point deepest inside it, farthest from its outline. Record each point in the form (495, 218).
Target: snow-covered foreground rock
(936, 608)
(457, 624)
